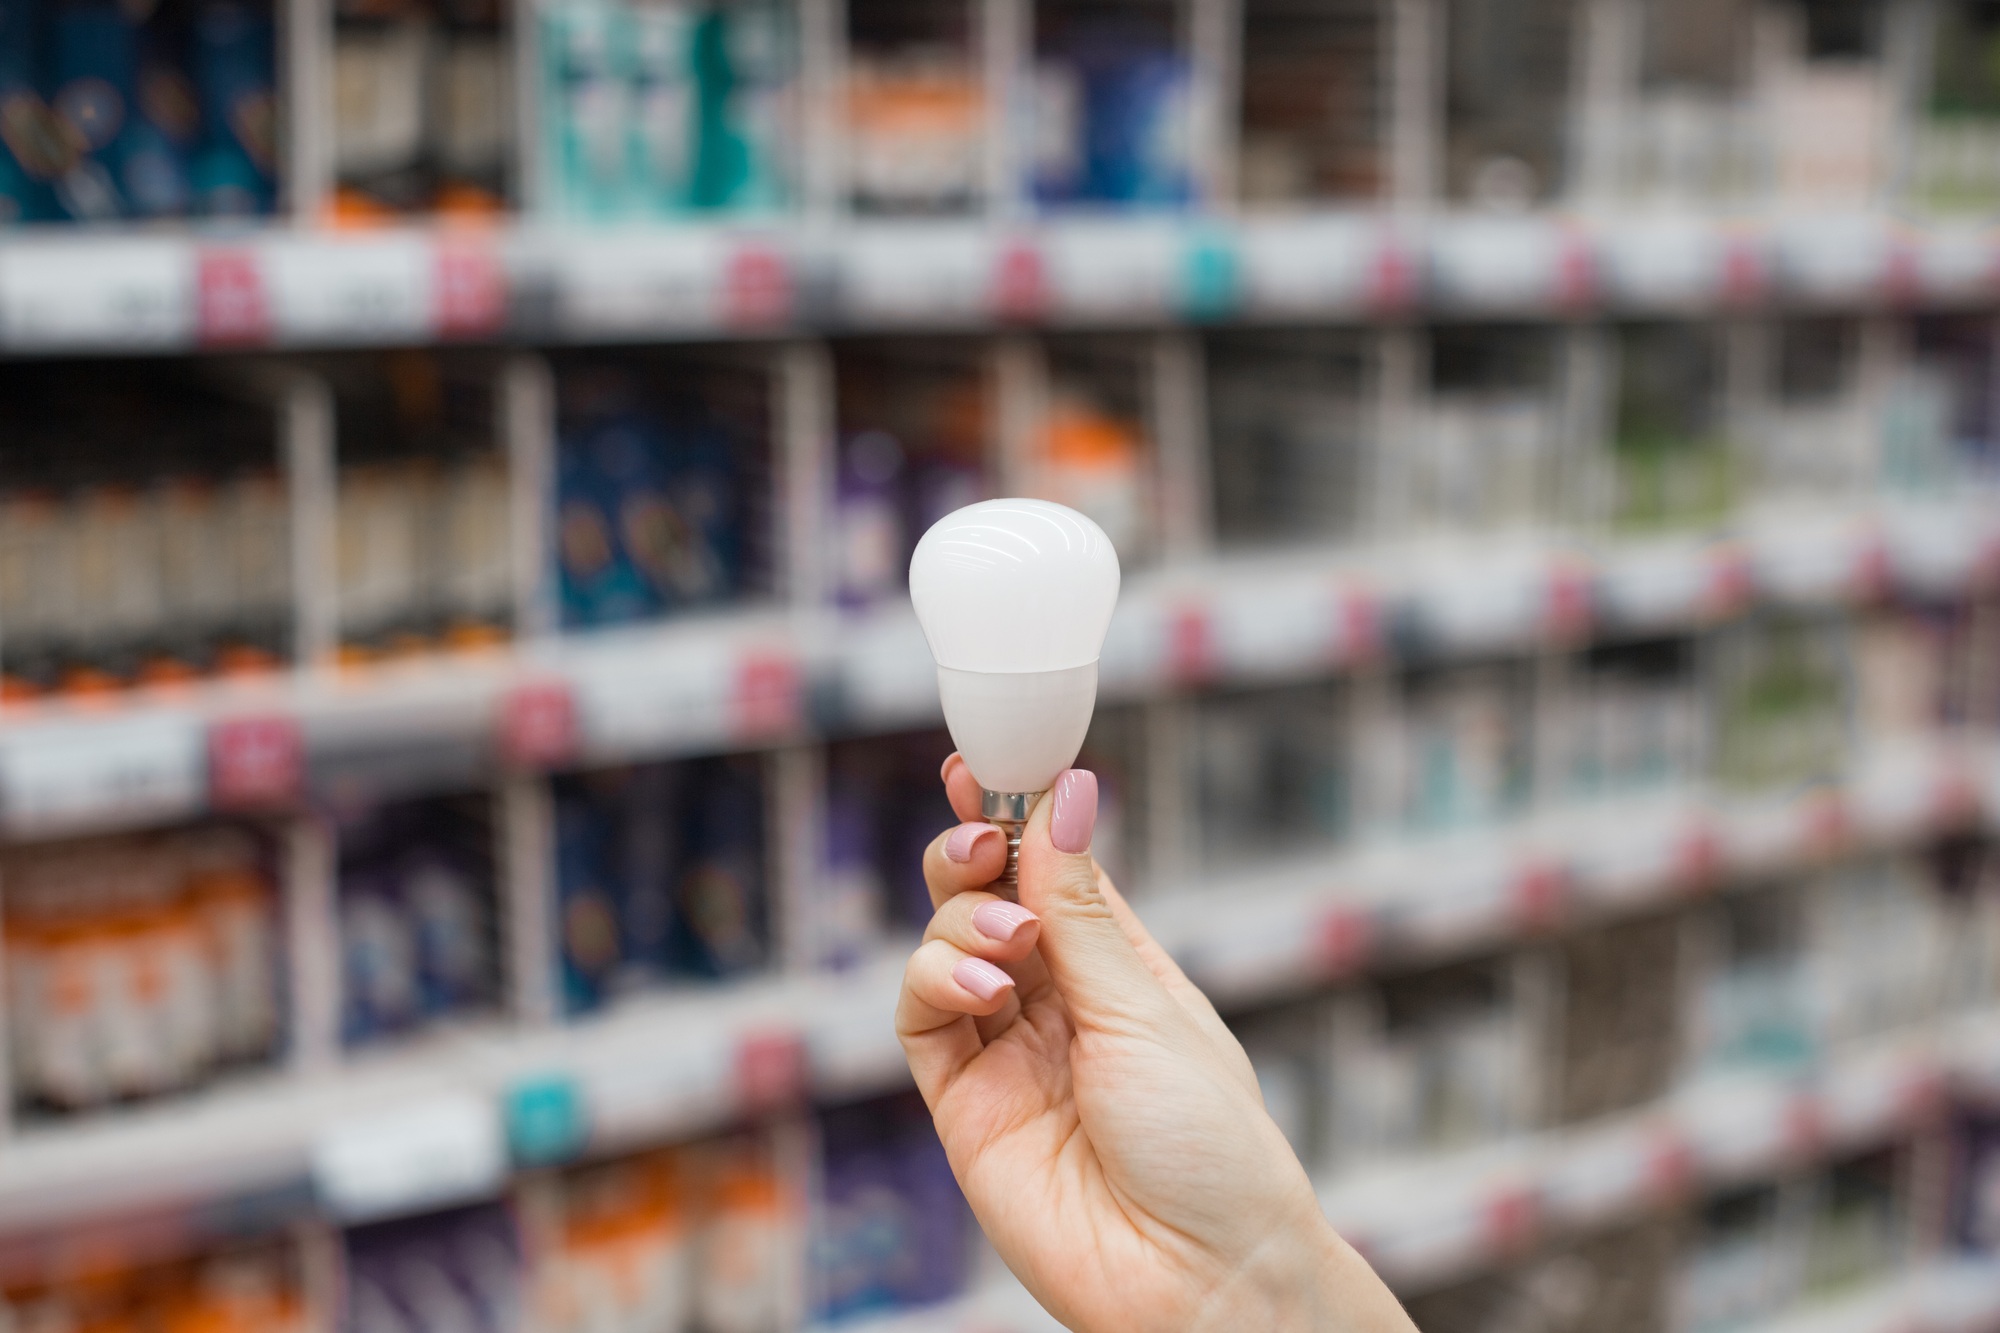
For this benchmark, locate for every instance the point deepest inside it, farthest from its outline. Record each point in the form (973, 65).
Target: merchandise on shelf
(1691, 133)
(659, 108)
(115, 574)
(1673, 458)
(1779, 688)
(662, 488)
(1620, 1017)
(916, 105)
(1752, 997)
(1975, 1203)
(884, 806)
(1455, 752)
(703, 1239)
(423, 528)
(139, 965)
(916, 429)
(1613, 1280)
(660, 874)
(1822, 73)
(422, 112)
(1270, 776)
(1633, 718)
(418, 926)
(1859, 1229)
(1506, 70)
(1954, 162)
(1315, 103)
(1094, 448)
(1431, 1062)
(1293, 435)
(251, 1288)
(1111, 123)
(460, 1270)
(892, 1230)
(1941, 432)
(1487, 450)
(1818, 437)
(113, 113)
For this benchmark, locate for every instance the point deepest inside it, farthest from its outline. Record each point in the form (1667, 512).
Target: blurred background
(465, 748)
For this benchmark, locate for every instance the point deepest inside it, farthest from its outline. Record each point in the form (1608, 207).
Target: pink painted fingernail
(981, 977)
(999, 921)
(1074, 817)
(958, 847)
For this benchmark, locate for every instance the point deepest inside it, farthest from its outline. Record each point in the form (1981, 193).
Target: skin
(1102, 1121)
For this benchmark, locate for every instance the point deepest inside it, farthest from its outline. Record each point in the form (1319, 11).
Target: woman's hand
(1101, 1119)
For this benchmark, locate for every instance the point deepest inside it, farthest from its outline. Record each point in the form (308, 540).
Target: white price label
(687, 1085)
(97, 293)
(71, 776)
(1100, 270)
(658, 282)
(359, 289)
(1498, 264)
(1834, 258)
(1310, 266)
(917, 273)
(886, 671)
(643, 694)
(446, 1151)
(1664, 265)
(1280, 626)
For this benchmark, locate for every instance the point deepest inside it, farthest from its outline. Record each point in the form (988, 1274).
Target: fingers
(969, 856)
(961, 787)
(945, 990)
(1093, 964)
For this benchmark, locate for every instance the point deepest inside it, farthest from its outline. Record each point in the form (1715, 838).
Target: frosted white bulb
(1014, 597)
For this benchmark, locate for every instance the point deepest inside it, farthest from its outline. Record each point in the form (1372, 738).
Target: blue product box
(236, 171)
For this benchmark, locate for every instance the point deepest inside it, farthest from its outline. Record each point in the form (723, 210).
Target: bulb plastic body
(1015, 597)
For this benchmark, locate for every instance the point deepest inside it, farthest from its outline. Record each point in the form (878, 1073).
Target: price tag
(1835, 259)
(1511, 1220)
(1957, 264)
(1191, 654)
(256, 763)
(670, 692)
(232, 303)
(1319, 266)
(768, 698)
(538, 726)
(1538, 894)
(68, 776)
(468, 288)
(631, 285)
(436, 1153)
(1664, 264)
(1568, 602)
(545, 1120)
(757, 286)
(1100, 271)
(916, 273)
(1020, 285)
(1211, 277)
(1281, 626)
(350, 290)
(96, 293)
(1503, 264)
(1343, 940)
(886, 672)
(771, 1071)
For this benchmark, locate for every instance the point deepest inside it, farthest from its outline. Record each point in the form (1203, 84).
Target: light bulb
(1014, 597)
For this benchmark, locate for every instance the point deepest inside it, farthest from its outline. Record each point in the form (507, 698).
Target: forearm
(1306, 1280)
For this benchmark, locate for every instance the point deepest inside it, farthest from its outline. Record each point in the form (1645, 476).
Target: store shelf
(764, 676)
(157, 291)
(1943, 1296)
(451, 1115)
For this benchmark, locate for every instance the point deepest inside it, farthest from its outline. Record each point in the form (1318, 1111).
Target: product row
(664, 108)
(663, 493)
(142, 964)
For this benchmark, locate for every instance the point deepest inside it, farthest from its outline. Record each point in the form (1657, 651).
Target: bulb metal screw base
(1009, 811)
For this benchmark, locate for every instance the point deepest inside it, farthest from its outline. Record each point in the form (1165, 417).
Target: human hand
(1103, 1122)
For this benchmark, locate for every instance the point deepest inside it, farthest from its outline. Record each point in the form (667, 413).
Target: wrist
(1303, 1279)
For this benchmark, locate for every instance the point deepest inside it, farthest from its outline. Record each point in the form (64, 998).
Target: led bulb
(1014, 597)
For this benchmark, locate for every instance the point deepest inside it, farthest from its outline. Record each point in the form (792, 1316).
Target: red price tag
(770, 1071)
(757, 287)
(538, 726)
(1576, 272)
(1567, 613)
(1020, 282)
(1393, 278)
(1742, 273)
(256, 763)
(1538, 896)
(469, 289)
(1902, 276)
(1954, 800)
(767, 701)
(1511, 1222)
(1805, 1126)
(1343, 941)
(1361, 626)
(1669, 1168)
(232, 305)
(1828, 824)
(1698, 859)
(1190, 645)
(1731, 583)
(1873, 573)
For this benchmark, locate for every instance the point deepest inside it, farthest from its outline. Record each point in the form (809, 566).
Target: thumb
(1095, 969)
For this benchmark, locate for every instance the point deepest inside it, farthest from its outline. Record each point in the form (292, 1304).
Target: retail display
(468, 744)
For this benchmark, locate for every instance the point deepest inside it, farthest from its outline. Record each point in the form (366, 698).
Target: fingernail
(1074, 817)
(944, 769)
(999, 921)
(981, 977)
(958, 847)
